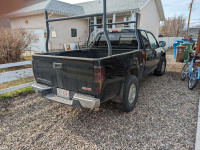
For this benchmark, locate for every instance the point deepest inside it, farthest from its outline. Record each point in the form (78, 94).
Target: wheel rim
(184, 72)
(193, 80)
(163, 67)
(132, 93)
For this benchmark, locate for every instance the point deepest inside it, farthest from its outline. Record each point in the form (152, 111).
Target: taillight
(115, 31)
(98, 78)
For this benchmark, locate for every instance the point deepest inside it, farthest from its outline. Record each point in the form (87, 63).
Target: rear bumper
(78, 101)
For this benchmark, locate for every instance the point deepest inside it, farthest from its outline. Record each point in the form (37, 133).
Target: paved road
(165, 118)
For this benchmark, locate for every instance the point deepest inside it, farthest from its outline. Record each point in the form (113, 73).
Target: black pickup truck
(88, 77)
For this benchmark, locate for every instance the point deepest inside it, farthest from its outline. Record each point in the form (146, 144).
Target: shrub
(13, 42)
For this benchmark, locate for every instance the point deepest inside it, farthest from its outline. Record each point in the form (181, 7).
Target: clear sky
(171, 8)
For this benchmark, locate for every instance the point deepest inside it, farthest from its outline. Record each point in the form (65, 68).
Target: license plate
(63, 93)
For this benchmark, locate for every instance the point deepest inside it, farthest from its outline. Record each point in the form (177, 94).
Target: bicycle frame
(191, 69)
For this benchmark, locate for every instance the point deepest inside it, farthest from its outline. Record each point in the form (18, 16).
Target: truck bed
(74, 70)
(88, 53)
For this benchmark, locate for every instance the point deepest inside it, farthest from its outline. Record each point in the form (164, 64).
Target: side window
(145, 40)
(73, 32)
(153, 41)
(99, 21)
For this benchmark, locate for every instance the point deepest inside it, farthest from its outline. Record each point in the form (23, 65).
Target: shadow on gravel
(164, 118)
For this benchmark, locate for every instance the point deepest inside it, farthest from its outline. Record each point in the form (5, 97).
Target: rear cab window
(118, 40)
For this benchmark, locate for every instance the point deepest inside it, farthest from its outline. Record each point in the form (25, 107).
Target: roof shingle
(50, 5)
(112, 5)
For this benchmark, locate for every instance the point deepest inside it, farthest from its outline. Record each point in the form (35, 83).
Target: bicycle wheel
(184, 72)
(193, 79)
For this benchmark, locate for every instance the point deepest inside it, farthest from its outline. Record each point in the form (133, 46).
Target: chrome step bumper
(78, 101)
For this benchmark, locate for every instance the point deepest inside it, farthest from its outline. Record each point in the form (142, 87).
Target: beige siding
(150, 19)
(63, 32)
(29, 22)
(62, 29)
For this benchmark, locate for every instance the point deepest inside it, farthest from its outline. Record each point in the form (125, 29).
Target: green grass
(27, 58)
(1, 70)
(17, 93)
(20, 92)
(16, 83)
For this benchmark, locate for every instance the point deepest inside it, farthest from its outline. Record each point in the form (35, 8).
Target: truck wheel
(130, 93)
(160, 71)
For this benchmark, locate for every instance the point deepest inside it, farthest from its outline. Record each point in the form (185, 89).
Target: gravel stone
(165, 118)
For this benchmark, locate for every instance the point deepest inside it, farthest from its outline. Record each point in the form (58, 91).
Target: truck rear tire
(130, 93)
(160, 71)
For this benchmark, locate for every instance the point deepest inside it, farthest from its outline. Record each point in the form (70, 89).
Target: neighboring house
(76, 31)
(4, 23)
(194, 32)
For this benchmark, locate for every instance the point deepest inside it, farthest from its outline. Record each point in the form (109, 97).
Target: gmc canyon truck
(109, 69)
(88, 77)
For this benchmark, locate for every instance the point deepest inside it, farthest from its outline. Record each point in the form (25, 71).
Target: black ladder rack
(104, 14)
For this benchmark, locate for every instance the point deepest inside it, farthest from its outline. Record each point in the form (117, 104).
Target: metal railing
(104, 14)
(15, 75)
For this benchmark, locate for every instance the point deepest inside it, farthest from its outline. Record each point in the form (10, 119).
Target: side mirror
(162, 43)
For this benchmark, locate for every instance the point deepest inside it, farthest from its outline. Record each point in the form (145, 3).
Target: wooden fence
(15, 75)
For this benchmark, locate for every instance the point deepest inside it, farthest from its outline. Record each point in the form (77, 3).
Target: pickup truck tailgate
(75, 75)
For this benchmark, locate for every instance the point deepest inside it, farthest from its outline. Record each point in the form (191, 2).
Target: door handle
(57, 65)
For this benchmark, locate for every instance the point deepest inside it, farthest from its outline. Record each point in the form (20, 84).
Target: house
(194, 32)
(4, 23)
(76, 31)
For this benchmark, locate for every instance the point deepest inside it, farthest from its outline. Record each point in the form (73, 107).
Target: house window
(73, 32)
(99, 21)
(109, 20)
(126, 19)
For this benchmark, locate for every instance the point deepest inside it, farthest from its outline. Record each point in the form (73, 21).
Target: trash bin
(175, 45)
(188, 49)
(180, 53)
(179, 41)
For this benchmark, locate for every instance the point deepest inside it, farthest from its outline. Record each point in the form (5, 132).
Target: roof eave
(160, 10)
(17, 15)
(159, 7)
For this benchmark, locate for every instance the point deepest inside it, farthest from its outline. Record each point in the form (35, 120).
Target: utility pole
(198, 44)
(188, 26)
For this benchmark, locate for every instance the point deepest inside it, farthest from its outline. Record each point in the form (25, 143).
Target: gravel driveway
(165, 118)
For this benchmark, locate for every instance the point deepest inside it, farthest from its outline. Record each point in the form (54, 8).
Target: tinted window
(152, 40)
(118, 40)
(145, 40)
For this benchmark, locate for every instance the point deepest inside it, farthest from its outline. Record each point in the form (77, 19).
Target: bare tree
(13, 42)
(173, 26)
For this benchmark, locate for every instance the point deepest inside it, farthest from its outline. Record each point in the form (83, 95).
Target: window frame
(99, 22)
(108, 19)
(147, 32)
(74, 29)
(126, 19)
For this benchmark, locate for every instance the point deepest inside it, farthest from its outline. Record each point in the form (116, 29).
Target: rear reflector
(98, 78)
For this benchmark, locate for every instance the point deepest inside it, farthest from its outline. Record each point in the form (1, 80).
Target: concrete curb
(197, 144)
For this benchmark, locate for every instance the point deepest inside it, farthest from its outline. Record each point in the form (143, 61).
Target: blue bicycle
(193, 73)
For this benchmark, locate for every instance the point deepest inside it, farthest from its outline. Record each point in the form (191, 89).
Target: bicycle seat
(197, 61)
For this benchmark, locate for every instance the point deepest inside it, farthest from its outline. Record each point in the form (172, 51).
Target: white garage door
(40, 45)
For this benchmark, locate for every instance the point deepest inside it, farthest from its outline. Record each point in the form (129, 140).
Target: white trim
(114, 20)
(197, 144)
(145, 4)
(16, 88)
(15, 64)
